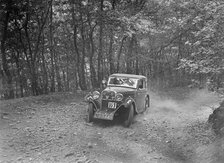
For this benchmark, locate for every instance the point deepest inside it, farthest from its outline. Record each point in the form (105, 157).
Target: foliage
(52, 45)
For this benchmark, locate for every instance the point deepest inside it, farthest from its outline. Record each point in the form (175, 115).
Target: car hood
(110, 92)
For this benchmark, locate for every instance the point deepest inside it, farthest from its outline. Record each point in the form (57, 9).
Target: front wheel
(90, 113)
(129, 117)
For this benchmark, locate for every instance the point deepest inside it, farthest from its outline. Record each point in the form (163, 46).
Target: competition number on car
(112, 105)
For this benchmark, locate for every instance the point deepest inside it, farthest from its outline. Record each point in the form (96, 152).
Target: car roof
(128, 76)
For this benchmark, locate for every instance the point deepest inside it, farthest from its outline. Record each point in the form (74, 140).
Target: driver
(116, 81)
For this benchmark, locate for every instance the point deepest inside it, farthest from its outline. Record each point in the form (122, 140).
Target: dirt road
(53, 129)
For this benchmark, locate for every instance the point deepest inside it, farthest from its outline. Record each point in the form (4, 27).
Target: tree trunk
(77, 70)
(91, 54)
(92, 69)
(136, 54)
(31, 60)
(19, 68)
(99, 59)
(119, 53)
(67, 73)
(136, 66)
(82, 78)
(111, 61)
(64, 80)
(129, 55)
(45, 75)
(52, 53)
(34, 80)
(58, 77)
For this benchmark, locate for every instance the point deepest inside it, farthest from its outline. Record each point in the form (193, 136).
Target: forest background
(69, 45)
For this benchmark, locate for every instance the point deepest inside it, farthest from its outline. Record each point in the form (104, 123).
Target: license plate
(112, 105)
(103, 116)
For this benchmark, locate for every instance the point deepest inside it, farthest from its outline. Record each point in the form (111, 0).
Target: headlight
(96, 95)
(119, 97)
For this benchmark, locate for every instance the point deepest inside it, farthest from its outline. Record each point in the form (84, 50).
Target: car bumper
(104, 114)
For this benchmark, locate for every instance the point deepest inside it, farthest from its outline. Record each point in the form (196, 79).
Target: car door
(140, 95)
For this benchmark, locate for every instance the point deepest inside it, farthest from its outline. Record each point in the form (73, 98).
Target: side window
(144, 84)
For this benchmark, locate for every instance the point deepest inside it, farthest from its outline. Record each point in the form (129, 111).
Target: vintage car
(125, 95)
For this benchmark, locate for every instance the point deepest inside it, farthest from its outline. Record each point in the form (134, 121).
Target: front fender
(128, 102)
(94, 102)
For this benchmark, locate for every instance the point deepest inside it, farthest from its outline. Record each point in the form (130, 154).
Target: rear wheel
(90, 112)
(129, 116)
(147, 103)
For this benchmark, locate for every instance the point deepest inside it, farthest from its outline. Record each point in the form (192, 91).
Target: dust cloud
(186, 112)
(180, 106)
(183, 100)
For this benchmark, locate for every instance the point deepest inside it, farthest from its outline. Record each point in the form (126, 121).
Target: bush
(217, 119)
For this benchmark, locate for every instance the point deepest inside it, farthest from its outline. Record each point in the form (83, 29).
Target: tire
(129, 116)
(147, 103)
(90, 113)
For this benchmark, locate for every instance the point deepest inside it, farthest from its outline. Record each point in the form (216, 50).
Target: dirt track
(53, 129)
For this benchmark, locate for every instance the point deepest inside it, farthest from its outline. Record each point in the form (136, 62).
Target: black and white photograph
(111, 81)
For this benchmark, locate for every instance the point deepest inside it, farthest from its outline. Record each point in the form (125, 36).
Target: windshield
(123, 82)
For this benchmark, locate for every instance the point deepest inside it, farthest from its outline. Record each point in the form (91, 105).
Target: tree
(67, 45)
(6, 70)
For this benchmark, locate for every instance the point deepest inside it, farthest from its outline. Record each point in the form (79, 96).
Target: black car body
(125, 95)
